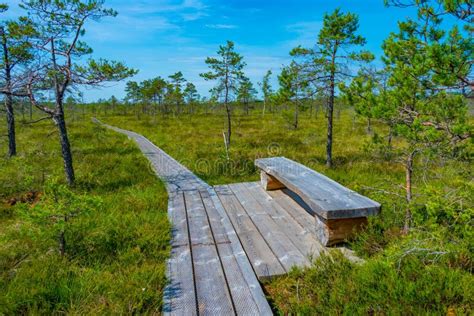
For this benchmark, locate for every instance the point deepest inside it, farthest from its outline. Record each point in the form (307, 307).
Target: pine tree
(227, 71)
(59, 26)
(326, 65)
(16, 51)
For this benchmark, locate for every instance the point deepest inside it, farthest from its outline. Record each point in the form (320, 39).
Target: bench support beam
(334, 231)
(269, 182)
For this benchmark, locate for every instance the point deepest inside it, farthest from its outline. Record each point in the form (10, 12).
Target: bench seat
(338, 211)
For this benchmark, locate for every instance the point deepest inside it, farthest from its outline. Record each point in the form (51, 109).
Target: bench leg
(333, 231)
(269, 182)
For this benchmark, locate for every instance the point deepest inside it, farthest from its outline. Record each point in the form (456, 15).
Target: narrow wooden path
(209, 271)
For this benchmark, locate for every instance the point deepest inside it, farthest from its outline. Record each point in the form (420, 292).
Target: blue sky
(160, 37)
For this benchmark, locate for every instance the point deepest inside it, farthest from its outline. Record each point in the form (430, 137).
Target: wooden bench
(338, 211)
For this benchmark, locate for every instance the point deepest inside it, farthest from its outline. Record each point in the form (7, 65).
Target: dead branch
(38, 120)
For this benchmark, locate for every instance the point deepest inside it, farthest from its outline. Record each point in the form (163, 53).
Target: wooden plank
(253, 285)
(215, 219)
(213, 297)
(303, 239)
(244, 301)
(263, 260)
(325, 196)
(301, 215)
(284, 249)
(177, 216)
(179, 295)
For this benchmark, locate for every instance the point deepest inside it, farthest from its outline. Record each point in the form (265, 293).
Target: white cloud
(187, 10)
(144, 19)
(306, 33)
(160, 6)
(221, 26)
(193, 16)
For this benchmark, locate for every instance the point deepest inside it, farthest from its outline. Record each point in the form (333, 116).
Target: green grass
(427, 271)
(115, 255)
(197, 141)
(334, 286)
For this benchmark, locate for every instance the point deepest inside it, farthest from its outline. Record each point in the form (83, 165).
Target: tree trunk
(390, 135)
(10, 127)
(8, 98)
(229, 123)
(62, 243)
(295, 123)
(408, 190)
(369, 125)
(330, 113)
(227, 108)
(58, 118)
(330, 110)
(65, 147)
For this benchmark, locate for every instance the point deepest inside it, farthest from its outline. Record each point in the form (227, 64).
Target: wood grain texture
(246, 302)
(180, 292)
(264, 261)
(326, 197)
(333, 231)
(270, 182)
(295, 210)
(282, 246)
(212, 294)
(253, 285)
(304, 240)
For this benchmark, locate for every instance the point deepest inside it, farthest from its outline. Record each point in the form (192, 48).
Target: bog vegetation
(83, 222)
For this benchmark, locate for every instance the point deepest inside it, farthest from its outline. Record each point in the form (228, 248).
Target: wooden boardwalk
(276, 232)
(209, 272)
